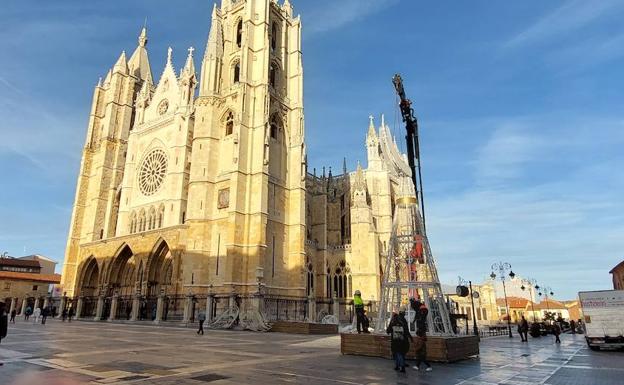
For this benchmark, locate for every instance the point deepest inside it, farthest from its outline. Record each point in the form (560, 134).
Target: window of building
(274, 37)
(236, 72)
(275, 128)
(484, 314)
(273, 76)
(310, 279)
(35, 287)
(7, 286)
(342, 280)
(229, 124)
(239, 33)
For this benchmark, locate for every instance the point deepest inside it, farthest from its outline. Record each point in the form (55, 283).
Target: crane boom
(412, 142)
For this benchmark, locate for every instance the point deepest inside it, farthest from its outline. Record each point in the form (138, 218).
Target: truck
(603, 313)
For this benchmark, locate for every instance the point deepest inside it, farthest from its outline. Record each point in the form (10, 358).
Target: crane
(412, 142)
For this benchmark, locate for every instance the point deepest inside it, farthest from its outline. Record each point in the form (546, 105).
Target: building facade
(618, 276)
(197, 184)
(25, 282)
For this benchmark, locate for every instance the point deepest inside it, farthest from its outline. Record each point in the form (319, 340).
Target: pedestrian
(13, 314)
(4, 327)
(399, 339)
(523, 328)
(64, 314)
(420, 346)
(70, 313)
(202, 319)
(358, 304)
(556, 332)
(44, 314)
(27, 313)
(573, 326)
(366, 323)
(128, 312)
(36, 315)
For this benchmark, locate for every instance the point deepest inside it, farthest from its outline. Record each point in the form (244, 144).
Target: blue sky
(520, 106)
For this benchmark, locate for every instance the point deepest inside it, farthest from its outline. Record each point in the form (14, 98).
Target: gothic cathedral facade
(199, 183)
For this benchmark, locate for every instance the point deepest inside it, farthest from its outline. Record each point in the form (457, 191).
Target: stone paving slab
(110, 353)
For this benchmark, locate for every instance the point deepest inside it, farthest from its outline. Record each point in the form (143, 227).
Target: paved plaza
(108, 353)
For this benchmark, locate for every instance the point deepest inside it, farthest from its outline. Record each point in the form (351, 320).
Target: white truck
(603, 313)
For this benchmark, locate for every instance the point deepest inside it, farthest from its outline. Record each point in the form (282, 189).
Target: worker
(358, 304)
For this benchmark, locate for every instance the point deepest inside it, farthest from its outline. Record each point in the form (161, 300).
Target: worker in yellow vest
(358, 304)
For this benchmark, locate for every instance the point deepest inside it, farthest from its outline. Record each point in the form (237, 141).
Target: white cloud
(335, 14)
(570, 16)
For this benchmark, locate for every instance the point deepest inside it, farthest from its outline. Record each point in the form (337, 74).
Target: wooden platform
(303, 328)
(439, 349)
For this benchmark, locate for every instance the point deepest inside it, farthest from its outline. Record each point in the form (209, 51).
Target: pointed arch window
(342, 280)
(236, 71)
(229, 124)
(239, 33)
(274, 37)
(273, 75)
(161, 214)
(310, 279)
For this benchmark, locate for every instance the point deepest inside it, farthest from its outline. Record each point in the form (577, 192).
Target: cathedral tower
(94, 215)
(246, 222)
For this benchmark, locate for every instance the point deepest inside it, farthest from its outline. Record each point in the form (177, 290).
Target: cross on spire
(190, 51)
(169, 52)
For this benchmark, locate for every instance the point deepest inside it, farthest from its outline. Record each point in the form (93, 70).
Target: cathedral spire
(213, 56)
(371, 136)
(138, 64)
(122, 64)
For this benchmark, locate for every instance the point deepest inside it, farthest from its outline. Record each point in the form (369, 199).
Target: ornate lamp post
(547, 291)
(474, 315)
(532, 283)
(503, 268)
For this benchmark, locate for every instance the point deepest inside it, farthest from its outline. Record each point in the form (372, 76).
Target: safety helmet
(357, 292)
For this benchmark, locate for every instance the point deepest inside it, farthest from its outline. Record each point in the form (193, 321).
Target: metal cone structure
(410, 270)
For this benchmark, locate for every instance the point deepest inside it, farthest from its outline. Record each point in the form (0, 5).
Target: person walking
(44, 315)
(358, 304)
(523, 328)
(27, 313)
(399, 339)
(64, 314)
(70, 314)
(420, 345)
(36, 315)
(13, 314)
(4, 327)
(202, 319)
(557, 332)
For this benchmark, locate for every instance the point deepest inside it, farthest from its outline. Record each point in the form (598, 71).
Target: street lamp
(532, 283)
(503, 268)
(547, 290)
(474, 316)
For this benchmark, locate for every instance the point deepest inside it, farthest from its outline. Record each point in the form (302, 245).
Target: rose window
(152, 172)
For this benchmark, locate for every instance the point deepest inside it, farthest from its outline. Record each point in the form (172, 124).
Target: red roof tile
(49, 278)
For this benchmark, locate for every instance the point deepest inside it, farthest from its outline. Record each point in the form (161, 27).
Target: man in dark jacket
(4, 323)
(523, 329)
(400, 339)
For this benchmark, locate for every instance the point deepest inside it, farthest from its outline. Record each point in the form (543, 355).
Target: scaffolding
(410, 271)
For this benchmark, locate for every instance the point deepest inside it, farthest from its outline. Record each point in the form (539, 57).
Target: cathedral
(195, 184)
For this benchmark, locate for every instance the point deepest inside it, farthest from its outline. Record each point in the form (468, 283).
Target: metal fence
(124, 307)
(89, 307)
(285, 309)
(173, 308)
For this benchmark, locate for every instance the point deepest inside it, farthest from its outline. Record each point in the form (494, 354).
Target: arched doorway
(159, 272)
(89, 287)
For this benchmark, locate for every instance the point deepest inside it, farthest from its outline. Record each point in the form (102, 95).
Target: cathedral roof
(139, 61)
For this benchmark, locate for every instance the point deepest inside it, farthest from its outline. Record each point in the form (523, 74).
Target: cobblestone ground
(105, 353)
